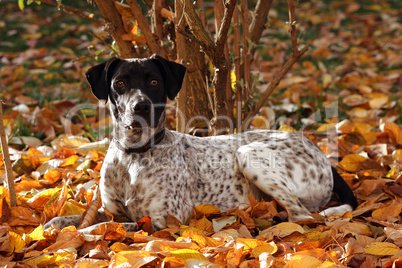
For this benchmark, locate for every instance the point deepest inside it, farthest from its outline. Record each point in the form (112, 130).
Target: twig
(145, 29)
(72, 10)
(7, 162)
(274, 83)
(292, 21)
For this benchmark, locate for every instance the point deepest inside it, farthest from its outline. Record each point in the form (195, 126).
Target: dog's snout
(142, 107)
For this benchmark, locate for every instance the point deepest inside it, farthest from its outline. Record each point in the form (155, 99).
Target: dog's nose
(142, 107)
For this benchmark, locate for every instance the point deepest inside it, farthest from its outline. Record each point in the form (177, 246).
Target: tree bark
(115, 28)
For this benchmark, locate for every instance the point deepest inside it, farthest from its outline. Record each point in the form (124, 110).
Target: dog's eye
(153, 82)
(120, 84)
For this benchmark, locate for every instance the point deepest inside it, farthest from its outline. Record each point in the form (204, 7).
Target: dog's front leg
(74, 220)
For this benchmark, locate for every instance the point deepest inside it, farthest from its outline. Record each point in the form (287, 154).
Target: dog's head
(137, 90)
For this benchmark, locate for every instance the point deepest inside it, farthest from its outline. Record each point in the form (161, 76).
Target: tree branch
(225, 25)
(198, 29)
(72, 10)
(145, 29)
(257, 25)
(292, 21)
(274, 83)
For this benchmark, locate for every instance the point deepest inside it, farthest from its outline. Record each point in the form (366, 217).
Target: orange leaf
(393, 210)
(145, 224)
(393, 130)
(110, 231)
(51, 176)
(206, 210)
(205, 225)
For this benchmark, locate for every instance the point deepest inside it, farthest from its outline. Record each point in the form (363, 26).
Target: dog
(152, 171)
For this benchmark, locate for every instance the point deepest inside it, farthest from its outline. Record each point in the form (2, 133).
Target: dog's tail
(343, 193)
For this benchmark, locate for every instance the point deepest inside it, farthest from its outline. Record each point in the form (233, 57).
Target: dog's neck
(155, 140)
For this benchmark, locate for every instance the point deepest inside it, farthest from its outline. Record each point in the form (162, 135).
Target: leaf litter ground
(352, 68)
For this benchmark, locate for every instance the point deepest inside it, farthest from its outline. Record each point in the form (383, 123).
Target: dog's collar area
(156, 139)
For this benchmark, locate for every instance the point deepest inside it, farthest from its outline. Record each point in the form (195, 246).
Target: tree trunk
(192, 102)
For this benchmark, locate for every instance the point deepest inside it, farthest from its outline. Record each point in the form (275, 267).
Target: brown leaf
(88, 218)
(68, 237)
(145, 224)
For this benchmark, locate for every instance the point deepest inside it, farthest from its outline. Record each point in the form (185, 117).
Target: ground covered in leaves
(345, 95)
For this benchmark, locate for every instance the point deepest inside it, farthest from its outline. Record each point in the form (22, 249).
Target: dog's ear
(99, 78)
(173, 74)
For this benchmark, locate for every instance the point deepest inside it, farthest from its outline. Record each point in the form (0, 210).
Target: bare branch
(145, 29)
(72, 10)
(274, 83)
(225, 25)
(198, 29)
(292, 20)
(257, 25)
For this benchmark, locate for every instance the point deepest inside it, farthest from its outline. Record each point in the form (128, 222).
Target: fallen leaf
(382, 249)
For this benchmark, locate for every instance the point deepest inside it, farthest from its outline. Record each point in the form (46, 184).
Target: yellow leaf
(378, 100)
(282, 229)
(352, 162)
(260, 122)
(327, 127)
(118, 247)
(72, 207)
(233, 80)
(358, 112)
(304, 261)
(326, 80)
(185, 254)
(266, 247)
(70, 160)
(67, 256)
(285, 127)
(204, 241)
(364, 89)
(249, 243)
(39, 200)
(326, 264)
(16, 242)
(35, 235)
(382, 249)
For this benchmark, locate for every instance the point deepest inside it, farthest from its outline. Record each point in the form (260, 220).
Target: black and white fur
(150, 170)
